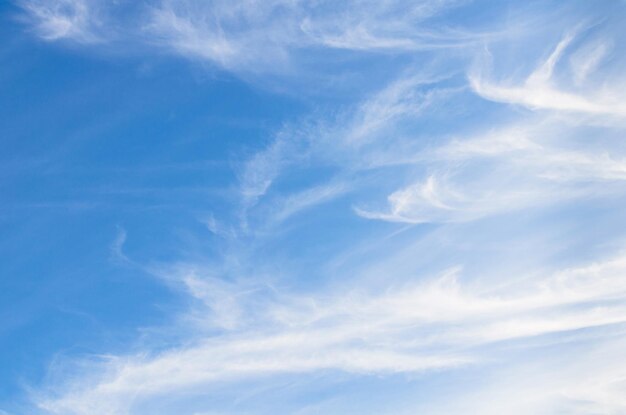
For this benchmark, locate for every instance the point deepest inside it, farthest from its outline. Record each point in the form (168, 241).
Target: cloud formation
(357, 332)
(252, 36)
(454, 215)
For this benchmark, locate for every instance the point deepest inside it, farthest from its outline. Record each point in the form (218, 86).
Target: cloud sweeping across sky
(313, 207)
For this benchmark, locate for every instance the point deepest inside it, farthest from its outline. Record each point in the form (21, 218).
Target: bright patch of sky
(312, 207)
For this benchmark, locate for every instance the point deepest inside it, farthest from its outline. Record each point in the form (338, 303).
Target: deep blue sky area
(90, 145)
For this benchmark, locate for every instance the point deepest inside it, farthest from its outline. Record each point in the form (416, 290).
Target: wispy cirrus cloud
(530, 163)
(252, 36)
(481, 167)
(356, 331)
(77, 20)
(540, 89)
(528, 168)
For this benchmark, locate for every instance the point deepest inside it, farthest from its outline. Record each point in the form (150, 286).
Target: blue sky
(312, 207)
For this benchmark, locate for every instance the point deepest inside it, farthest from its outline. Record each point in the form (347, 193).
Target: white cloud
(308, 198)
(586, 60)
(251, 36)
(416, 327)
(531, 164)
(65, 19)
(539, 90)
